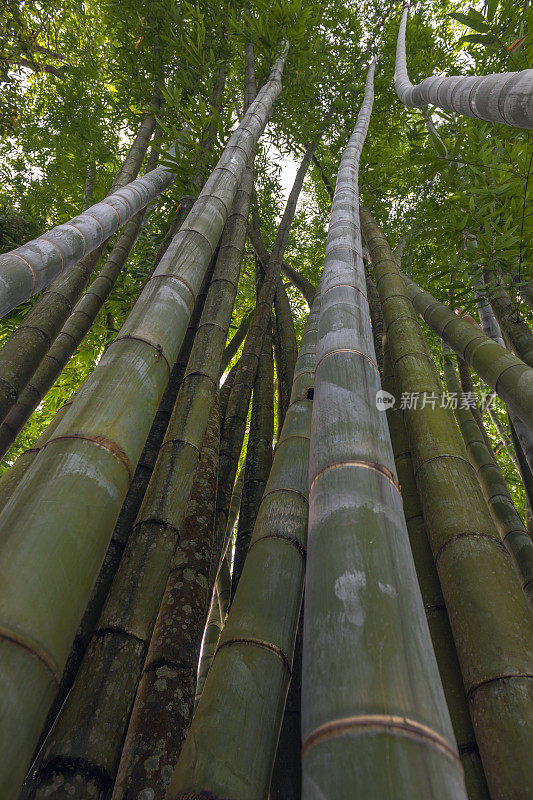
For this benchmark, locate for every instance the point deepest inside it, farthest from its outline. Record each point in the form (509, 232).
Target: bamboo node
(259, 643)
(298, 545)
(16, 639)
(379, 468)
(402, 726)
(16, 255)
(101, 441)
(348, 350)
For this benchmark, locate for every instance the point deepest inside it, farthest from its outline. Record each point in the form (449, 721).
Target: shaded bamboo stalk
(378, 688)
(495, 490)
(435, 608)
(516, 333)
(286, 349)
(302, 283)
(511, 379)
(164, 700)
(236, 341)
(258, 457)
(104, 430)
(227, 753)
(376, 317)
(504, 97)
(24, 349)
(493, 630)
(209, 645)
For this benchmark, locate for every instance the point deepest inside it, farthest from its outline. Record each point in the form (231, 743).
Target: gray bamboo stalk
(516, 332)
(226, 753)
(296, 278)
(105, 429)
(286, 349)
(258, 457)
(165, 696)
(430, 588)
(511, 379)
(209, 644)
(233, 429)
(495, 491)
(493, 630)
(370, 681)
(506, 97)
(23, 351)
(34, 265)
(74, 330)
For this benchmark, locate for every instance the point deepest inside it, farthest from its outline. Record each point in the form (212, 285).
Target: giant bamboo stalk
(79, 480)
(230, 748)
(493, 630)
(495, 491)
(286, 349)
(510, 378)
(516, 332)
(164, 700)
(428, 580)
(504, 97)
(374, 718)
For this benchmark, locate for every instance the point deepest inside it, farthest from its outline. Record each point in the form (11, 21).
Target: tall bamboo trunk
(258, 457)
(510, 378)
(504, 97)
(493, 630)
(374, 717)
(495, 491)
(80, 479)
(516, 332)
(435, 608)
(303, 284)
(287, 350)
(164, 701)
(231, 746)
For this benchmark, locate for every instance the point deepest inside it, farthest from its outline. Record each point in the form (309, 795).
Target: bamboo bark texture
(506, 97)
(374, 717)
(80, 479)
(493, 630)
(231, 746)
(510, 378)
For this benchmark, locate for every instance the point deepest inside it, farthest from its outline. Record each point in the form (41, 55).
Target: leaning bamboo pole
(231, 745)
(80, 478)
(374, 717)
(428, 580)
(510, 378)
(516, 332)
(493, 630)
(504, 97)
(495, 491)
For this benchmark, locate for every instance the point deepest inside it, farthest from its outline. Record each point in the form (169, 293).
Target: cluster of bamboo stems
(138, 659)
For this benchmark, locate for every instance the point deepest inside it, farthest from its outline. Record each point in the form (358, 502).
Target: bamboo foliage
(505, 97)
(493, 631)
(226, 753)
(81, 477)
(510, 378)
(493, 485)
(374, 717)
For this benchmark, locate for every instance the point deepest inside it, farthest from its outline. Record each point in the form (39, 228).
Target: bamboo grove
(266, 400)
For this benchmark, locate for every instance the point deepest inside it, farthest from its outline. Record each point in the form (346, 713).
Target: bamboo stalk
(374, 716)
(504, 97)
(79, 480)
(493, 630)
(231, 746)
(510, 378)
(287, 350)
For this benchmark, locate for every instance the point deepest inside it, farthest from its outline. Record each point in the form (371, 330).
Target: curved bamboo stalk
(504, 97)
(370, 681)
(164, 700)
(209, 644)
(226, 753)
(493, 630)
(510, 378)
(24, 349)
(495, 491)
(258, 457)
(79, 480)
(428, 580)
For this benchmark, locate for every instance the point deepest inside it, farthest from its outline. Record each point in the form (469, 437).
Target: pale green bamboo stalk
(510, 378)
(504, 97)
(79, 480)
(374, 718)
(495, 491)
(491, 622)
(231, 745)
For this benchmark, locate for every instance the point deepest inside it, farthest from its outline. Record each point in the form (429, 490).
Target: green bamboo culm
(493, 630)
(428, 580)
(495, 490)
(79, 480)
(226, 753)
(374, 717)
(511, 379)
